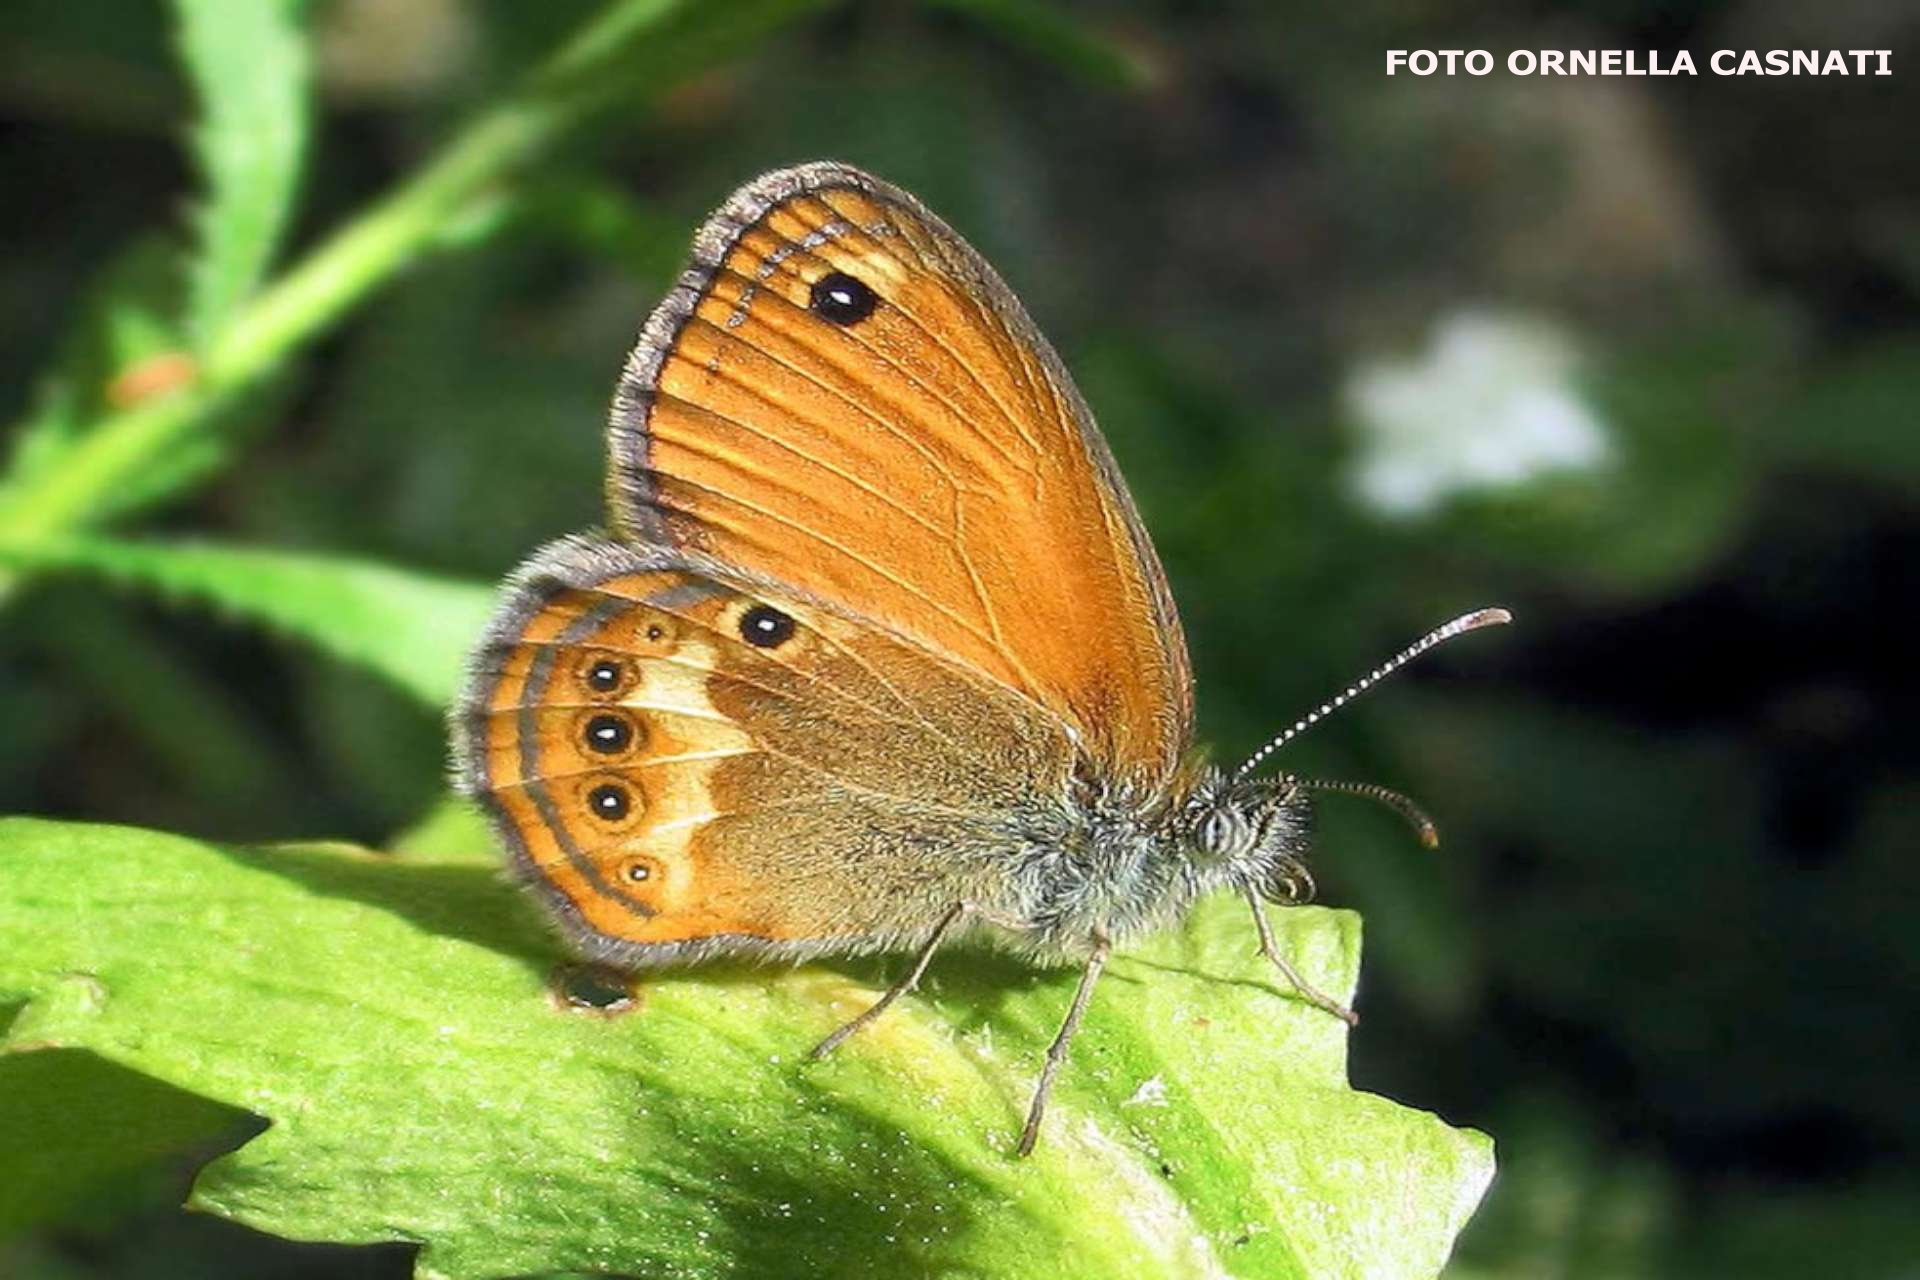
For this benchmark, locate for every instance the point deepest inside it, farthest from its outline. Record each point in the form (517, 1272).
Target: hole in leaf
(585, 988)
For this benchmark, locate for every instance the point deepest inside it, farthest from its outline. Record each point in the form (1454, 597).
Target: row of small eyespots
(762, 626)
(612, 733)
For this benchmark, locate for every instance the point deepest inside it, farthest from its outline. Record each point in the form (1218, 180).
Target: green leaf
(62, 1162)
(628, 51)
(136, 339)
(452, 830)
(413, 628)
(249, 62)
(393, 1021)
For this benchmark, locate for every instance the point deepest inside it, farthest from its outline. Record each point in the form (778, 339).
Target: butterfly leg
(1057, 1051)
(960, 912)
(1310, 993)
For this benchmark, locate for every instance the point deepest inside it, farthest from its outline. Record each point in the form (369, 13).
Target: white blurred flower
(1491, 405)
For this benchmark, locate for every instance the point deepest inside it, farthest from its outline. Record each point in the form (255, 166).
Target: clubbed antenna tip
(1403, 805)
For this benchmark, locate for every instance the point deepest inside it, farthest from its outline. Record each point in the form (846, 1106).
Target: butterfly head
(1253, 833)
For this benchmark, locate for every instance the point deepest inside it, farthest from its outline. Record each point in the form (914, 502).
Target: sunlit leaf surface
(395, 1023)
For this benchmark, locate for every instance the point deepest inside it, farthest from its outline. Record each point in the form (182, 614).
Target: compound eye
(1223, 833)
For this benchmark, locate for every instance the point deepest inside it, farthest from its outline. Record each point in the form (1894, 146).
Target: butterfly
(875, 650)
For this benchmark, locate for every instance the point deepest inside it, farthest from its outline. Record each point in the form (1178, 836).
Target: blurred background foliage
(1638, 358)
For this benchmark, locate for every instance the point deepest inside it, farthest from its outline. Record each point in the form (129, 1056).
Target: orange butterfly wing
(928, 466)
(674, 790)
(966, 613)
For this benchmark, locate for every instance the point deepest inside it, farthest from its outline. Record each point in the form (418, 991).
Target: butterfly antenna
(1404, 806)
(1459, 626)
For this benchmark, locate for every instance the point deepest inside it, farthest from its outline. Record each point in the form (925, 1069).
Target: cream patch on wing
(671, 692)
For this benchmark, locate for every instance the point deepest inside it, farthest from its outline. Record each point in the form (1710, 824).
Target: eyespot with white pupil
(765, 627)
(609, 734)
(609, 802)
(604, 675)
(840, 298)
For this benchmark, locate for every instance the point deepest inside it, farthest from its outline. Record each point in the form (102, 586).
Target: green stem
(631, 49)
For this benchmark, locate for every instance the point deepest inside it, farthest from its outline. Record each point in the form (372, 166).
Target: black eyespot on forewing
(840, 298)
(765, 627)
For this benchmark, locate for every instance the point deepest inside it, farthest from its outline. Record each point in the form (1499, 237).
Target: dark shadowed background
(1638, 358)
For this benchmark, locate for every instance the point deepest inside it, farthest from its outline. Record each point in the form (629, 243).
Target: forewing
(928, 466)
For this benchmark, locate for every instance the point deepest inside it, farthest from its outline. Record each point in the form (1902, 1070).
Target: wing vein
(804, 456)
(933, 459)
(872, 566)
